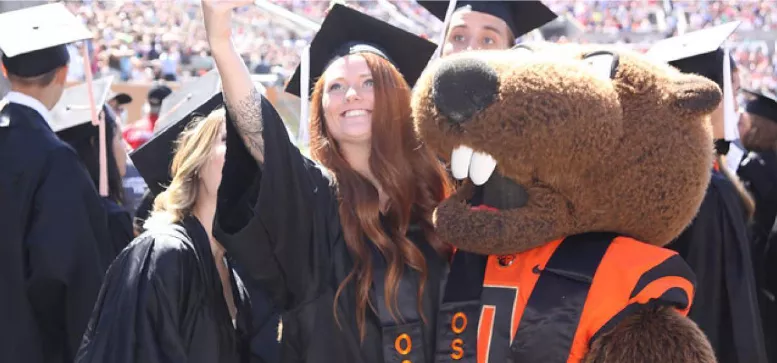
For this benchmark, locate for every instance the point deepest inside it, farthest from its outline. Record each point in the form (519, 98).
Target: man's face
(473, 30)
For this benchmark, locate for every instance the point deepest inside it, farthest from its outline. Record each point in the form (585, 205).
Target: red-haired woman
(346, 248)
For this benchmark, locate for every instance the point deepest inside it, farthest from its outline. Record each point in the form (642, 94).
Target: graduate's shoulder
(165, 249)
(30, 137)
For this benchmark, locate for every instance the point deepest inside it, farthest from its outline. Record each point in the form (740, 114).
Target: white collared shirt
(24, 100)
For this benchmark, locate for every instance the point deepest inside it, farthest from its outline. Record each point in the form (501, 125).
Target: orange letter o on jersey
(408, 344)
(457, 327)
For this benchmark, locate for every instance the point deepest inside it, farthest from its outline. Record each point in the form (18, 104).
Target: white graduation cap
(73, 108)
(34, 39)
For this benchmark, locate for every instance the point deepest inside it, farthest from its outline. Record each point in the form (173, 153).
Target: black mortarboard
(33, 40)
(192, 100)
(520, 16)
(72, 113)
(761, 104)
(347, 31)
(699, 52)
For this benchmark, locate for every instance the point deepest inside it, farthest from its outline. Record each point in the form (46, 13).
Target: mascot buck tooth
(580, 162)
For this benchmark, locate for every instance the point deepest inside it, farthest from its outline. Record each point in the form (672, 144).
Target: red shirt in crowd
(140, 131)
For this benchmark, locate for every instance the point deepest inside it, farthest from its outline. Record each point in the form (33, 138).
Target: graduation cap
(34, 40)
(347, 31)
(701, 52)
(761, 104)
(73, 113)
(193, 100)
(520, 16)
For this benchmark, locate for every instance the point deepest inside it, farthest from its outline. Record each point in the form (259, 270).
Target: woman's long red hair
(408, 172)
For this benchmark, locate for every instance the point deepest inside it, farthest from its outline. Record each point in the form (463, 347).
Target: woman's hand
(218, 18)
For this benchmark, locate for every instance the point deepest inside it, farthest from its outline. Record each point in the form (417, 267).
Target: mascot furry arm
(564, 141)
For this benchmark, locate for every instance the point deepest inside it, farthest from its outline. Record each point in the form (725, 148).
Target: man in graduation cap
(51, 217)
(758, 171)
(716, 244)
(476, 25)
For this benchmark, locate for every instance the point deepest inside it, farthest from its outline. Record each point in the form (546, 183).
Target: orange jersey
(625, 276)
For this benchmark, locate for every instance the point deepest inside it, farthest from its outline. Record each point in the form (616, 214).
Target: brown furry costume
(623, 149)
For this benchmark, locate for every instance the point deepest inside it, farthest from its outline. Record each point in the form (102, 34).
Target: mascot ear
(603, 63)
(695, 95)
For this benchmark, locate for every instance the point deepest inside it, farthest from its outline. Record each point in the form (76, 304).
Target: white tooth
(481, 167)
(355, 113)
(460, 159)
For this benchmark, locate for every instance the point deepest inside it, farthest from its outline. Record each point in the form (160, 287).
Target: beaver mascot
(578, 163)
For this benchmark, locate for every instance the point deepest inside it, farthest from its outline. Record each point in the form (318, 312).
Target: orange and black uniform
(549, 303)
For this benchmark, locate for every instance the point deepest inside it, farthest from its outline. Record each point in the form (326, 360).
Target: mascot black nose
(464, 87)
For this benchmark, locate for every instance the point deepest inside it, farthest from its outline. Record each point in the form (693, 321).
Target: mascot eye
(603, 63)
(522, 49)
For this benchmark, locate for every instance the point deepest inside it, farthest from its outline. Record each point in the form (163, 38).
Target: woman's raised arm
(240, 94)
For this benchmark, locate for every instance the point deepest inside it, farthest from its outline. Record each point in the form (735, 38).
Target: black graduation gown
(162, 301)
(758, 172)
(265, 321)
(52, 247)
(769, 294)
(716, 247)
(119, 225)
(144, 209)
(281, 223)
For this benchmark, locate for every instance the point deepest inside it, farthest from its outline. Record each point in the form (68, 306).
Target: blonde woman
(171, 295)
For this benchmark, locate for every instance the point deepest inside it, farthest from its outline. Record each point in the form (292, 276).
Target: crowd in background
(165, 39)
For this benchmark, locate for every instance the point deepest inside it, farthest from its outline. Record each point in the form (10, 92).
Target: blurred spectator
(141, 131)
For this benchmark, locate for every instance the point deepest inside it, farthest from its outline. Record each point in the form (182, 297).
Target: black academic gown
(758, 172)
(144, 209)
(281, 223)
(52, 250)
(716, 247)
(119, 225)
(162, 301)
(769, 294)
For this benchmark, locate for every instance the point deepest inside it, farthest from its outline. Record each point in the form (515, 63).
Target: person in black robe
(72, 124)
(758, 171)
(291, 223)
(172, 295)
(715, 245)
(53, 223)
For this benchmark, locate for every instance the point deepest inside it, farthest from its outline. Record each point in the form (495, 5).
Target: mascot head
(558, 140)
